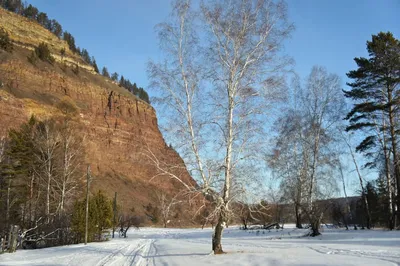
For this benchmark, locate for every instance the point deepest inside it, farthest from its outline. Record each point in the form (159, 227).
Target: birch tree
(215, 86)
(166, 206)
(69, 163)
(305, 154)
(47, 141)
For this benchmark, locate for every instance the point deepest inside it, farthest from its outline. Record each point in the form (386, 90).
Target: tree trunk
(48, 197)
(244, 224)
(8, 203)
(31, 200)
(12, 247)
(393, 137)
(315, 224)
(315, 228)
(217, 236)
(386, 154)
(347, 209)
(364, 197)
(391, 217)
(298, 216)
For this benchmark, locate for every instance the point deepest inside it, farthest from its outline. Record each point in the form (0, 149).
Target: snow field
(158, 246)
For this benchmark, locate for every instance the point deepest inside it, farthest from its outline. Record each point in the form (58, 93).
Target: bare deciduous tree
(166, 206)
(215, 87)
(69, 165)
(47, 140)
(305, 147)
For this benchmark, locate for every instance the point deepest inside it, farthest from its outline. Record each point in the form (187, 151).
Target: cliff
(117, 127)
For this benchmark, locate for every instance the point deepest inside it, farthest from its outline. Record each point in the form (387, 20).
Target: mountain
(117, 126)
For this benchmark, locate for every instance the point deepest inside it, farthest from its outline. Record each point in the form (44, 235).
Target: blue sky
(120, 33)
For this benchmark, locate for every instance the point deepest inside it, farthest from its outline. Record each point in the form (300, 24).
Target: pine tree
(122, 81)
(31, 12)
(94, 64)
(114, 76)
(70, 40)
(19, 173)
(42, 19)
(86, 57)
(375, 91)
(56, 28)
(105, 73)
(383, 200)
(15, 6)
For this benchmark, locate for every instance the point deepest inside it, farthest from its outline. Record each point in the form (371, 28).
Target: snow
(156, 246)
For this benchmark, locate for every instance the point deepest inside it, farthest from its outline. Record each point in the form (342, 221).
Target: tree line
(32, 13)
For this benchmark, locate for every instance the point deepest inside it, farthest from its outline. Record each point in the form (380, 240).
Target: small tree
(100, 216)
(94, 64)
(31, 12)
(86, 57)
(166, 206)
(56, 28)
(114, 76)
(127, 220)
(70, 40)
(5, 41)
(43, 19)
(75, 69)
(105, 72)
(43, 53)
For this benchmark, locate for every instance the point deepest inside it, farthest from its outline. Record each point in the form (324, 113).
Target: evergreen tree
(376, 92)
(100, 216)
(372, 197)
(15, 6)
(105, 73)
(86, 57)
(31, 12)
(43, 53)
(135, 89)
(114, 76)
(56, 28)
(18, 172)
(383, 200)
(43, 19)
(70, 40)
(122, 81)
(94, 64)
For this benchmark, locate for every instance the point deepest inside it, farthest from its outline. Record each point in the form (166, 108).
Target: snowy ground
(152, 246)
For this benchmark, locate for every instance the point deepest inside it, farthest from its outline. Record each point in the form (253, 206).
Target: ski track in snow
(378, 254)
(156, 246)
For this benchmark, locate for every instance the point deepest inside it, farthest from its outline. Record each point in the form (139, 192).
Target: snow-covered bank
(156, 246)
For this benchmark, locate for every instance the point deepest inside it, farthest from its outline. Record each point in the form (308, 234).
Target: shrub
(75, 69)
(32, 58)
(5, 41)
(64, 66)
(43, 53)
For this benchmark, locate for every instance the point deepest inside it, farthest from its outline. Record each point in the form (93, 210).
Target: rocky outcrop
(117, 127)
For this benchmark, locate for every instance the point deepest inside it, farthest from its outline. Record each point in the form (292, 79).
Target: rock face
(118, 127)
